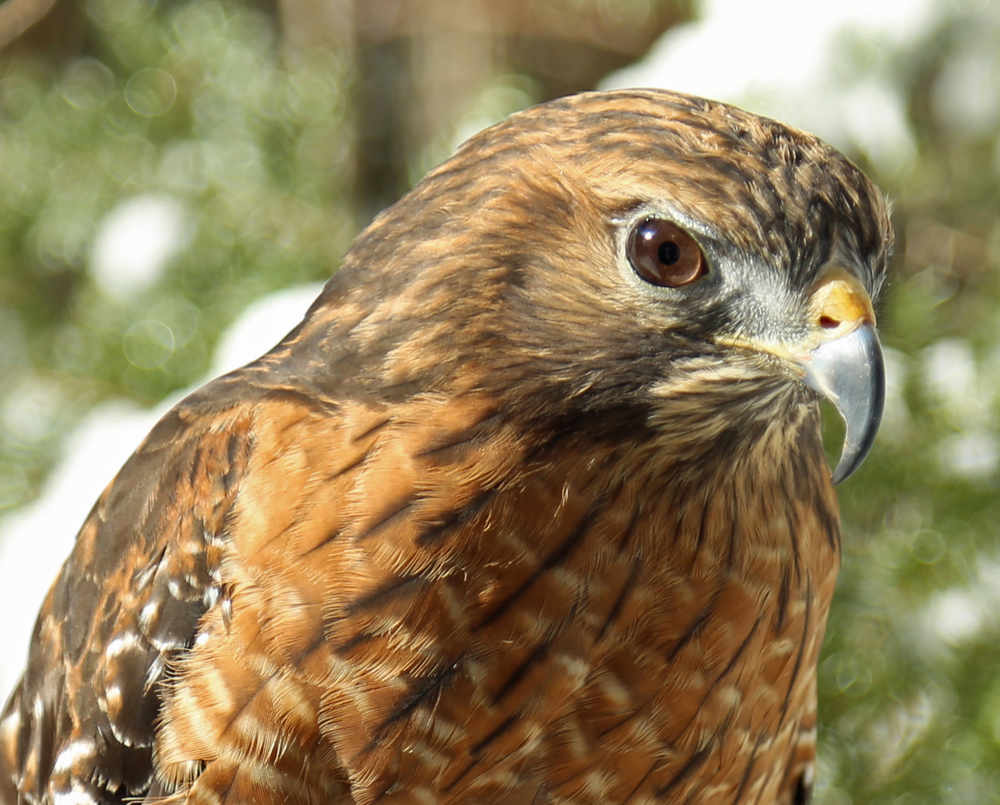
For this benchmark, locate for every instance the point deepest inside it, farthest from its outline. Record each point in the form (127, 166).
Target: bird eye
(664, 254)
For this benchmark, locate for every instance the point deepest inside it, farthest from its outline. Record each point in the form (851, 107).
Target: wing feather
(127, 604)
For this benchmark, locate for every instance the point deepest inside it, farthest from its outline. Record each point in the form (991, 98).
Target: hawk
(532, 506)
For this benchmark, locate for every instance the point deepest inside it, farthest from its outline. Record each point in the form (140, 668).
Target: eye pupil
(669, 253)
(664, 254)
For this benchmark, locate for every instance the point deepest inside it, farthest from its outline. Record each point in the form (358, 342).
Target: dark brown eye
(664, 254)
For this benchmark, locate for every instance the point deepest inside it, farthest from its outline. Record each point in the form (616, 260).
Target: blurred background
(177, 178)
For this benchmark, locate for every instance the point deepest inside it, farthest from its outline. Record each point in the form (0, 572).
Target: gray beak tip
(850, 372)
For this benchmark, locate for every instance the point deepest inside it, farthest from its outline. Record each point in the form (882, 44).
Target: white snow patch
(786, 59)
(136, 241)
(955, 615)
(972, 455)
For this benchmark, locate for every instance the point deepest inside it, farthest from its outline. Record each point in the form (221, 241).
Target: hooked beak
(850, 373)
(847, 366)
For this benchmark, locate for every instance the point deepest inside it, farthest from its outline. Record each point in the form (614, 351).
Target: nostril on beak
(828, 322)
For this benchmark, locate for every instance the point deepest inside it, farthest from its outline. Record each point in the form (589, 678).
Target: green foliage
(909, 682)
(194, 112)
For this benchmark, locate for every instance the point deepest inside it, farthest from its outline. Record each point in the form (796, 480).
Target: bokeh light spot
(149, 344)
(151, 92)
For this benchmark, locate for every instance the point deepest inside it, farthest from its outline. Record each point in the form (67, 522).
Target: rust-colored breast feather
(493, 525)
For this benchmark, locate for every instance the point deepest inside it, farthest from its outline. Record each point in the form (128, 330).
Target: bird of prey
(532, 507)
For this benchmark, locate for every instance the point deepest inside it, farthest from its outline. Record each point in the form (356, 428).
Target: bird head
(634, 260)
